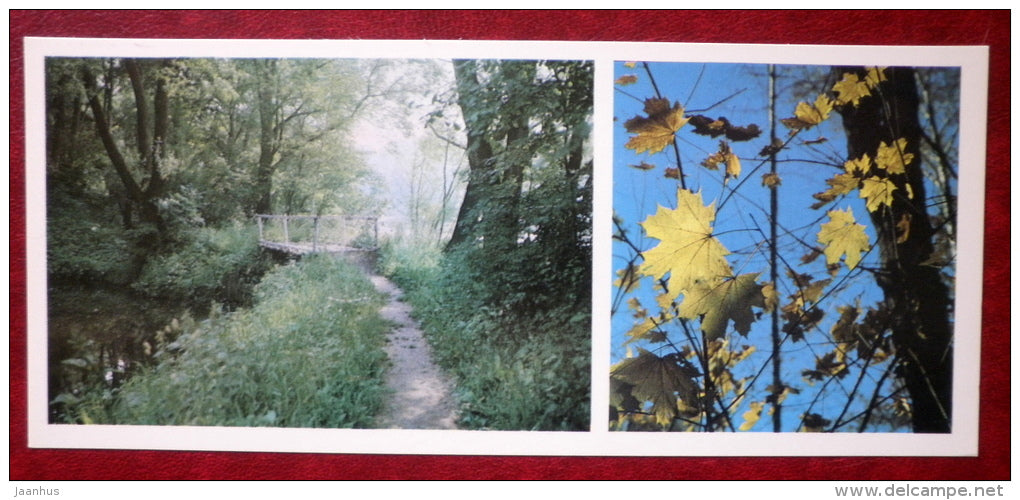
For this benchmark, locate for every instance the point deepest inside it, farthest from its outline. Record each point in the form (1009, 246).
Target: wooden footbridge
(305, 234)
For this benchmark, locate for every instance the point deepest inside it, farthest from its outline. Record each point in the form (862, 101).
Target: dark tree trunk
(265, 78)
(497, 153)
(915, 293)
(479, 152)
(143, 199)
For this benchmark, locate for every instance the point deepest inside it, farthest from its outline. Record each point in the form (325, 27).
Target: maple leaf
(732, 166)
(850, 89)
(626, 80)
(892, 158)
(842, 235)
(658, 129)
(704, 125)
(771, 180)
(724, 156)
(658, 380)
(839, 185)
(878, 192)
(845, 329)
(771, 296)
(778, 396)
(643, 166)
(628, 279)
(807, 290)
(649, 330)
(752, 415)
(858, 166)
(739, 134)
(713, 161)
(774, 147)
(810, 256)
(875, 76)
(808, 115)
(717, 302)
(814, 422)
(620, 396)
(639, 310)
(687, 251)
(830, 364)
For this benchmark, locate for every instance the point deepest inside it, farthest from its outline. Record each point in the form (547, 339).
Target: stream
(98, 337)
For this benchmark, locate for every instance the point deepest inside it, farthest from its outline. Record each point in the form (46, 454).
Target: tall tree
(914, 289)
(516, 113)
(149, 138)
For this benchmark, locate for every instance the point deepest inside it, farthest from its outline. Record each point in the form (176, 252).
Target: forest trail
(422, 396)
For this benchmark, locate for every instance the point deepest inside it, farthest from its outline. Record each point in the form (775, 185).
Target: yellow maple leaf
(858, 166)
(752, 415)
(808, 115)
(842, 235)
(894, 158)
(839, 185)
(732, 166)
(667, 303)
(657, 130)
(850, 89)
(628, 279)
(650, 330)
(768, 290)
(686, 251)
(876, 75)
(719, 301)
(626, 80)
(878, 191)
(725, 156)
(771, 180)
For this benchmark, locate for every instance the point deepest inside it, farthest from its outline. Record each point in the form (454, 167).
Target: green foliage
(214, 265)
(516, 368)
(82, 249)
(307, 354)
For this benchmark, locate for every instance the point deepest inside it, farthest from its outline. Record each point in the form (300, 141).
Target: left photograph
(319, 243)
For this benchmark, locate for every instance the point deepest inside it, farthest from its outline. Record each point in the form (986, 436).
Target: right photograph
(784, 248)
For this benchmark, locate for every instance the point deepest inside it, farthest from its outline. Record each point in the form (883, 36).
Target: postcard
(504, 247)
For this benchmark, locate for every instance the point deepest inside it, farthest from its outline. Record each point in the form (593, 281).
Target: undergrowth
(308, 353)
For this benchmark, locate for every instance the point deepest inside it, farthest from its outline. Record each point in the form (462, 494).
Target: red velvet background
(990, 28)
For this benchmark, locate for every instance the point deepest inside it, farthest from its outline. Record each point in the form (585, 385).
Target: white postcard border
(963, 441)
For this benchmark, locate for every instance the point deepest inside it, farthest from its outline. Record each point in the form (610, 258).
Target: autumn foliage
(698, 353)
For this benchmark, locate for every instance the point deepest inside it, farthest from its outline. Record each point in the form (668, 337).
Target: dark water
(99, 337)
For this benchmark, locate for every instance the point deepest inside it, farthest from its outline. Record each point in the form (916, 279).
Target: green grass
(308, 353)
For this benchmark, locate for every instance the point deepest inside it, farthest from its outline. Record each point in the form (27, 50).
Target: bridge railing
(319, 232)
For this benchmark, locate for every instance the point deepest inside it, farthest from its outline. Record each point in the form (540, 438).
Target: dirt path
(422, 395)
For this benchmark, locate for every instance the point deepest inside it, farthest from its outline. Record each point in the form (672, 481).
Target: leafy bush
(309, 353)
(81, 249)
(217, 264)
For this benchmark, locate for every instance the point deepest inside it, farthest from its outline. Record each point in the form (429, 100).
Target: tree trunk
(266, 75)
(479, 152)
(496, 177)
(915, 293)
